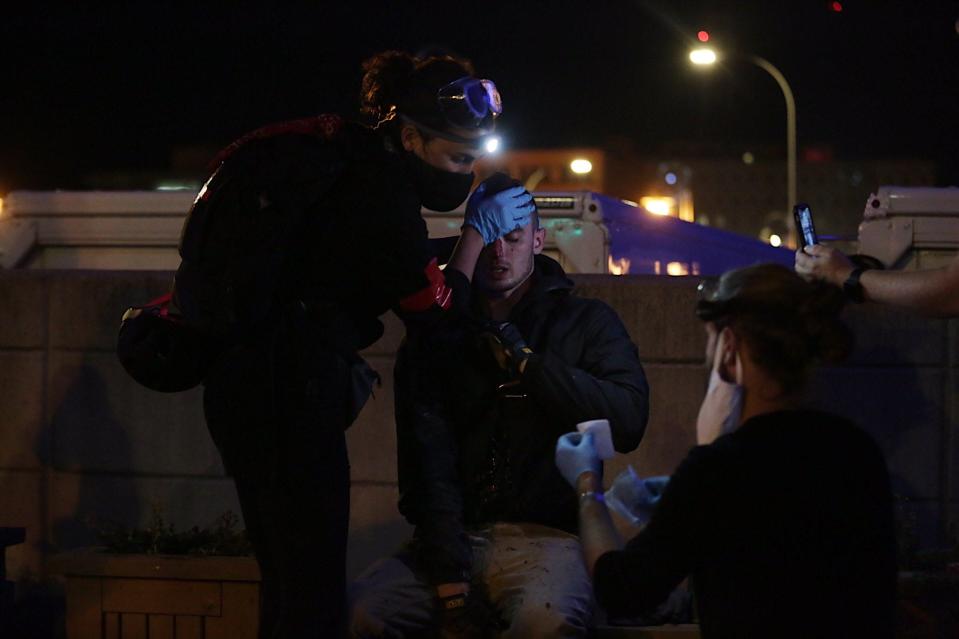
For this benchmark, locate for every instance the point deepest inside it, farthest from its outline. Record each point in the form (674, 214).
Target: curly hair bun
(789, 323)
(386, 77)
(396, 79)
(829, 339)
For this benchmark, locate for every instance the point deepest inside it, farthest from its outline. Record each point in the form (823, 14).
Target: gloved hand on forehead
(493, 216)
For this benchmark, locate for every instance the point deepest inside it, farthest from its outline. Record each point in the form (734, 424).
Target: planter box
(113, 596)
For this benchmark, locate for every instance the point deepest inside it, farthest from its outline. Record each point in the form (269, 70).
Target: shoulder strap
(326, 126)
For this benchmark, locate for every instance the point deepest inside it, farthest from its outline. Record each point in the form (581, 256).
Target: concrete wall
(79, 440)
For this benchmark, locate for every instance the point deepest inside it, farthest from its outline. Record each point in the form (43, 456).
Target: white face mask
(722, 406)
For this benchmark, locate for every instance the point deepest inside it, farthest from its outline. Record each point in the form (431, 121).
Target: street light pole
(767, 66)
(705, 56)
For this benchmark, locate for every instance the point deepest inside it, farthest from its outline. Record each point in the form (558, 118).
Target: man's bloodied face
(508, 262)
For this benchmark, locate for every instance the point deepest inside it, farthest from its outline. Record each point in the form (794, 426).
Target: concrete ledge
(657, 312)
(371, 440)
(21, 410)
(376, 527)
(23, 313)
(903, 408)
(86, 306)
(887, 336)
(101, 420)
(21, 506)
(77, 436)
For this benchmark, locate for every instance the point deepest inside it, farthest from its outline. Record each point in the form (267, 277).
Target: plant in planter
(160, 583)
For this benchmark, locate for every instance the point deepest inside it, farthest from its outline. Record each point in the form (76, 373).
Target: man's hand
(496, 215)
(575, 455)
(512, 349)
(818, 262)
(467, 616)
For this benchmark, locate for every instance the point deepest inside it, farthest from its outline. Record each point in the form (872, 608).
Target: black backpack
(243, 227)
(235, 250)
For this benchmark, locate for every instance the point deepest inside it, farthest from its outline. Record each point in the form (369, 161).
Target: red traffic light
(704, 35)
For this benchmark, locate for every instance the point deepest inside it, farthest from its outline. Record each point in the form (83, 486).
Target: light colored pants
(534, 576)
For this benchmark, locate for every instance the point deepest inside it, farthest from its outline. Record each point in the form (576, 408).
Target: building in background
(573, 169)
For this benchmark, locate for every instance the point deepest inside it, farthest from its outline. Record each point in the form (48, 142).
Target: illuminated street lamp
(702, 56)
(580, 166)
(705, 57)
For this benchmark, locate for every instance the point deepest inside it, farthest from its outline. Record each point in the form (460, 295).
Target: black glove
(512, 345)
(468, 616)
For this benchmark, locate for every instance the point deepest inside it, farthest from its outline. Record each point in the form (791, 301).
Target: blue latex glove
(496, 215)
(635, 498)
(576, 454)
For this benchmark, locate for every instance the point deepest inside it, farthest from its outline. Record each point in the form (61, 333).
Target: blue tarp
(662, 245)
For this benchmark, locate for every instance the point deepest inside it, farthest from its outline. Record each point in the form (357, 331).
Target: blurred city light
(492, 145)
(703, 36)
(618, 267)
(658, 205)
(677, 268)
(631, 203)
(1, 207)
(670, 178)
(775, 240)
(748, 158)
(581, 166)
(702, 56)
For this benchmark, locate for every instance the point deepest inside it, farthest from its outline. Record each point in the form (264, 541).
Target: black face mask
(439, 190)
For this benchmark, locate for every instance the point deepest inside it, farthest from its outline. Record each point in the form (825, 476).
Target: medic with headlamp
(278, 403)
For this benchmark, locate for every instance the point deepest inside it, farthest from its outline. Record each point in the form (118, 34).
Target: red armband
(436, 292)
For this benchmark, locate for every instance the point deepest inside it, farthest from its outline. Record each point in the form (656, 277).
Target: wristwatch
(852, 287)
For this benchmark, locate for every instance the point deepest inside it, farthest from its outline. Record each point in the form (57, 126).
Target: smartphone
(804, 226)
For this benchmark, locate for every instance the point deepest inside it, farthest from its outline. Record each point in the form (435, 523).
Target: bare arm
(596, 531)
(932, 292)
(467, 252)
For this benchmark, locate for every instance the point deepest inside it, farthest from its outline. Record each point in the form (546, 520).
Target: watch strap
(852, 286)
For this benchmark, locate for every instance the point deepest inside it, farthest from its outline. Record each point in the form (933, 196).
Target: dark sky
(86, 89)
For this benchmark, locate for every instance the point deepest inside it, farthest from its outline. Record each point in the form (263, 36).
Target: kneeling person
(478, 410)
(784, 523)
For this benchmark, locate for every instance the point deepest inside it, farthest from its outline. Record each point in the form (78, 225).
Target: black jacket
(361, 249)
(786, 527)
(367, 248)
(472, 451)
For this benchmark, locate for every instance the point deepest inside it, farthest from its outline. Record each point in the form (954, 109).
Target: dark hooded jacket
(476, 446)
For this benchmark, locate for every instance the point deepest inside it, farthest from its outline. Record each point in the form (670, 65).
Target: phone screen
(804, 226)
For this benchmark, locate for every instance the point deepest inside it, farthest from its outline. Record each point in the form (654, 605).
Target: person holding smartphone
(784, 523)
(930, 292)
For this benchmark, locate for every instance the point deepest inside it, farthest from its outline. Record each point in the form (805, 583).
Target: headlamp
(713, 305)
(708, 308)
(478, 142)
(470, 103)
